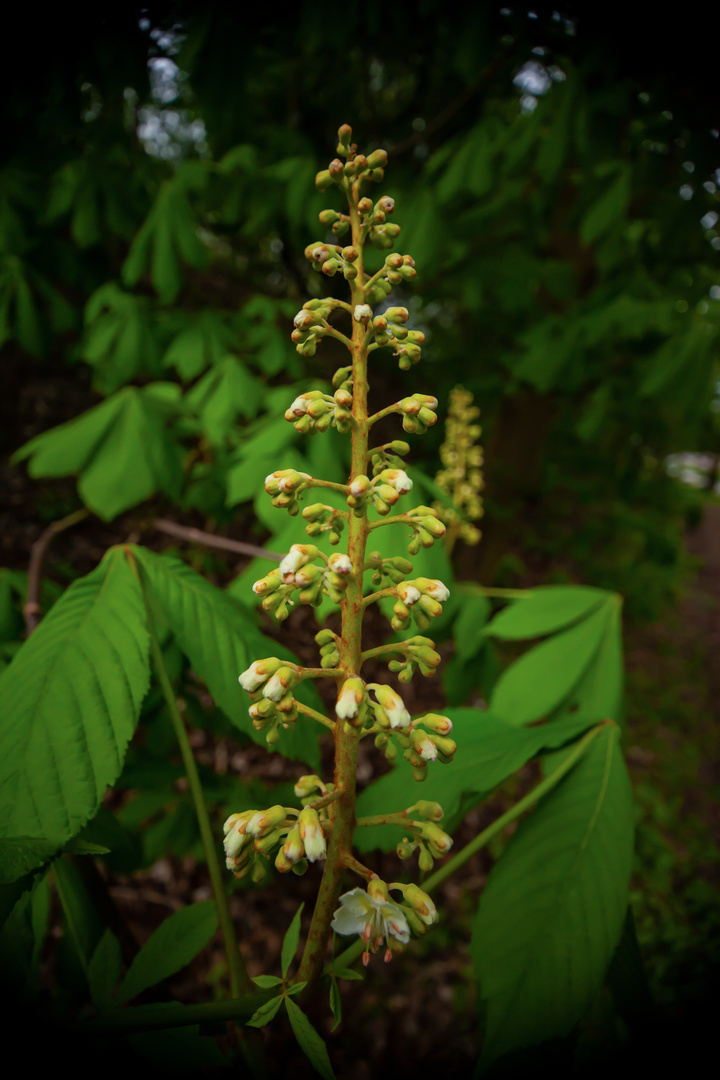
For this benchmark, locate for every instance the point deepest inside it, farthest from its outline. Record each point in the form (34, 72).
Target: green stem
(404, 518)
(306, 710)
(329, 484)
(353, 952)
(391, 590)
(383, 650)
(387, 411)
(239, 981)
(159, 1017)
(400, 818)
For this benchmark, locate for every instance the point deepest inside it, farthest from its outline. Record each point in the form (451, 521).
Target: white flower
(340, 564)
(398, 479)
(424, 746)
(311, 834)
(362, 313)
(258, 673)
(294, 559)
(431, 586)
(351, 698)
(276, 687)
(359, 486)
(408, 593)
(299, 406)
(392, 703)
(374, 919)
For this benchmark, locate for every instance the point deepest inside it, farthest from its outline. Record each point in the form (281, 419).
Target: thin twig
(32, 608)
(222, 543)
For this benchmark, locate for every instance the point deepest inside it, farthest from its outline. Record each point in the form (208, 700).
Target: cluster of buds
(315, 411)
(426, 526)
(390, 329)
(250, 838)
(371, 168)
(462, 476)
(383, 491)
(419, 653)
(395, 569)
(419, 747)
(379, 921)
(270, 684)
(299, 570)
(418, 413)
(427, 838)
(376, 228)
(285, 486)
(329, 644)
(422, 599)
(331, 259)
(323, 518)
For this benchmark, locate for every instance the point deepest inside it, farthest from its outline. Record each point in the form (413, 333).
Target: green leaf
(552, 911)
(21, 854)
(122, 450)
(469, 627)
(221, 640)
(266, 982)
(291, 942)
(310, 1042)
(266, 1012)
(168, 235)
(104, 971)
(223, 394)
(544, 611)
(174, 944)
(542, 679)
(335, 1003)
(608, 208)
(489, 750)
(348, 973)
(71, 701)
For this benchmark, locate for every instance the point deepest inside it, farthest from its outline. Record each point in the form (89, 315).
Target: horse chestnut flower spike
(316, 836)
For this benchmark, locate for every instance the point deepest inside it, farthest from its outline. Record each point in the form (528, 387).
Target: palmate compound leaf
(121, 449)
(220, 639)
(71, 699)
(552, 912)
(489, 751)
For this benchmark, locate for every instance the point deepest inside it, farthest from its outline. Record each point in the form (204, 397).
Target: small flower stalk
(378, 490)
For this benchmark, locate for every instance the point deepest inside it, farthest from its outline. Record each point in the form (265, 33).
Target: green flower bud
(323, 179)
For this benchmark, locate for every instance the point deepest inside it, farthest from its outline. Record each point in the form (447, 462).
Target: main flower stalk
(342, 813)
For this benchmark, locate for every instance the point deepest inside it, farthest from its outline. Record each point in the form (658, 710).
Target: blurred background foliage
(556, 178)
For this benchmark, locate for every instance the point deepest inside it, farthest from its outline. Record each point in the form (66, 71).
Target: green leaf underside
(491, 750)
(310, 1042)
(291, 942)
(220, 640)
(121, 449)
(552, 912)
(104, 971)
(172, 946)
(544, 611)
(71, 700)
(543, 677)
(266, 982)
(266, 1012)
